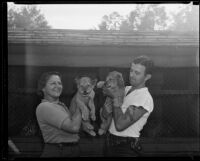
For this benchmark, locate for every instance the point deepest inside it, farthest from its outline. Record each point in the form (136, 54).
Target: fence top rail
(154, 92)
(97, 37)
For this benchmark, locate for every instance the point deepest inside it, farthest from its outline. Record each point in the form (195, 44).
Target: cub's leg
(92, 109)
(84, 109)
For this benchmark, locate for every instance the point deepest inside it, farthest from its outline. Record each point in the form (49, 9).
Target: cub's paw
(92, 133)
(101, 131)
(87, 126)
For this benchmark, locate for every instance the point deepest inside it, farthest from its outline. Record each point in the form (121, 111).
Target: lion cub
(84, 99)
(115, 82)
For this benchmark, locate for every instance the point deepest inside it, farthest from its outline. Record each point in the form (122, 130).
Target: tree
(27, 17)
(187, 19)
(111, 22)
(154, 18)
(149, 17)
(104, 24)
(131, 22)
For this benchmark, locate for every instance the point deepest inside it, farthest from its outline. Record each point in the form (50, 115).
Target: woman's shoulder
(43, 105)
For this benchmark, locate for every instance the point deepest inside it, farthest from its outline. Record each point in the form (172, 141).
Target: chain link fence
(176, 100)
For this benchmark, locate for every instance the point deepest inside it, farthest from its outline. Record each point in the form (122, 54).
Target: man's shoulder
(145, 91)
(148, 94)
(144, 95)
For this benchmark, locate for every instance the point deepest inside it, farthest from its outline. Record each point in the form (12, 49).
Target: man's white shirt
(138, 97)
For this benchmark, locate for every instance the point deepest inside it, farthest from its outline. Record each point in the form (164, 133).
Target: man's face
(137, 76)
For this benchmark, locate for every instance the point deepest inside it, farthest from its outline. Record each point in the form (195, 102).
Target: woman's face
(53, 87)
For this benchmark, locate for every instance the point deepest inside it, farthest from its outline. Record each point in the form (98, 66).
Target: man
(131, 113)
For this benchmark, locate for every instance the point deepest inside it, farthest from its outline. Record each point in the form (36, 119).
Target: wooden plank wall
(95, 37)
(173, 97)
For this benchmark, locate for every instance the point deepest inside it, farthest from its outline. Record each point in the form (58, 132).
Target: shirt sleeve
(148, 104)
(144, 101)
(52, 115)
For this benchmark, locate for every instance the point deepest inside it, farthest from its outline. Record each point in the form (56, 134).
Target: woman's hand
(92, 94)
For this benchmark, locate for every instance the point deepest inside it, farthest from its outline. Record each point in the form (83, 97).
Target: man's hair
(145, 61)
(43, 80)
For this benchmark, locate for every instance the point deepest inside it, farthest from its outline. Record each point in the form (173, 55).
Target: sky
(86, 16)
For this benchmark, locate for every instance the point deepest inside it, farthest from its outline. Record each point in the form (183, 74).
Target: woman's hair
(43, 80)
(145, 61)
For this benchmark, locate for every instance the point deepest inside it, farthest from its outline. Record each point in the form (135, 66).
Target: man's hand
(117, 102)
(116, 94)
(111, 92)
(92, 94)
(100, 84)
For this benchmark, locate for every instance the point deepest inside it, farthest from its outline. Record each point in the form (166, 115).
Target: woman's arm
(56, 117)
(73, 123)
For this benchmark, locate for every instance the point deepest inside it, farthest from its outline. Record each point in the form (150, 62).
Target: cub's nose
(107, 85)
(85, 92)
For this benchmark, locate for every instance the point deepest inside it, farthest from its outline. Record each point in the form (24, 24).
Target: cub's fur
(115, 82)
(84, 99)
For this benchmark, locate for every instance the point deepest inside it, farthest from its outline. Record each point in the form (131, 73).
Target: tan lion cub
(114, 81)
(84, 99)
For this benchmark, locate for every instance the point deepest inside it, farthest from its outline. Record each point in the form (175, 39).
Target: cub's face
(85, 85)
(114, 79)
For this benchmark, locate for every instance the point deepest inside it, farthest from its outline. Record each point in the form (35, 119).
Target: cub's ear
(77, 80)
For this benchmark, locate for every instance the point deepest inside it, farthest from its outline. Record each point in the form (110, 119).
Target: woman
(59, 127)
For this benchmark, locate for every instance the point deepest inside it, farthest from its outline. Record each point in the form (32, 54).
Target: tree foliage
(187, 19)
(28, 17)
(111, 22)
(152, 17)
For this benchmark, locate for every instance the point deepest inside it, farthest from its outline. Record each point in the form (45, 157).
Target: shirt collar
(55, 102)
(135, 90)
(143, 88)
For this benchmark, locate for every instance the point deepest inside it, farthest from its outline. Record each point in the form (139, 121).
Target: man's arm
(124, 120)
